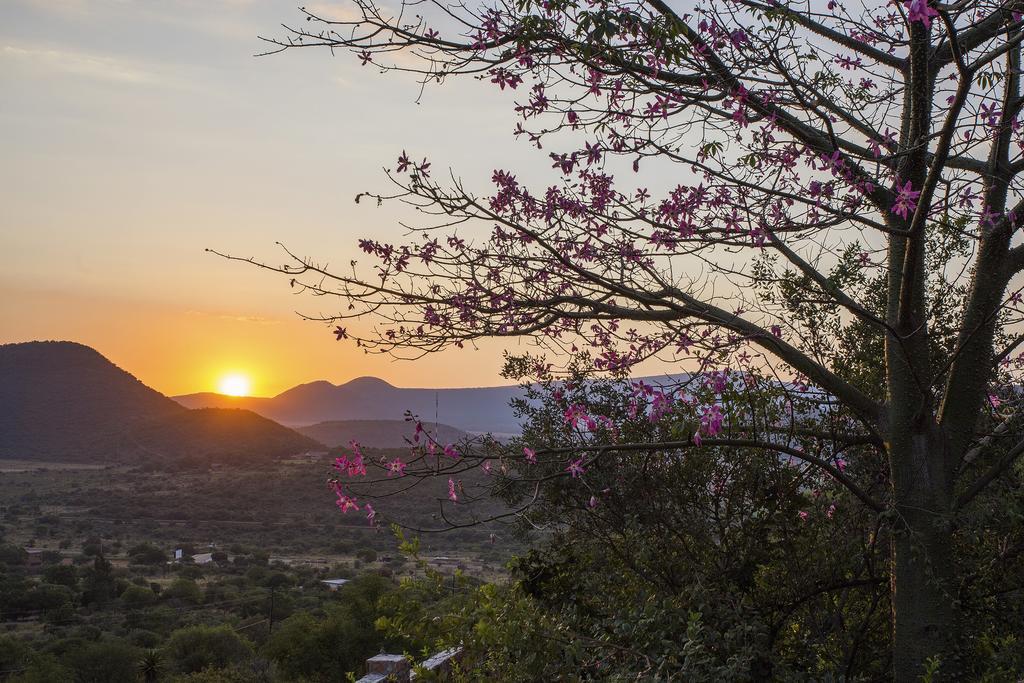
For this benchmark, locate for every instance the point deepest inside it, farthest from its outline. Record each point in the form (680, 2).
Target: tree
(105, 661)
(147, 553)
(183, 590)
(307, 647)
(62, 574)
(195, 648)
(98, 582)
(814, 176)
(12, 554)
(138, 597)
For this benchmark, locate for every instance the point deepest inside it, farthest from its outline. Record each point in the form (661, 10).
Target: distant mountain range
(62, 401)
(475, 410)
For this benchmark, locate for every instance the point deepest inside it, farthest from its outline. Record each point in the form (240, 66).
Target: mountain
(376, 433)
(224, 434)
(62, 401)
(483, 409)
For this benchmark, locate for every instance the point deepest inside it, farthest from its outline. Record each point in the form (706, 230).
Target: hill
(224, 434)
(376, 433)
(484, 409)
(62, 401)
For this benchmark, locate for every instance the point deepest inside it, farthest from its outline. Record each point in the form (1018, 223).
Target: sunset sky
(136, 133)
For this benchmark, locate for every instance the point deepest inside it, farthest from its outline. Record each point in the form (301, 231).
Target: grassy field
(38, 466)
(282, 510)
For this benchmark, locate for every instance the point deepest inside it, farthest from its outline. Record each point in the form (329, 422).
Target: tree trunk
(925, 616)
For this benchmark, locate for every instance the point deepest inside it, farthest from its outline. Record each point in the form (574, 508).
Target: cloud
(334, 11)
(60, 7)
(79, 64)
(252, 319)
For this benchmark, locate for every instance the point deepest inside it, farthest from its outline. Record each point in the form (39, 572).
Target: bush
(192, 649)
(184, 590)
(137, 597)
(12, 554)
(106, 661)
(148, 554)
(61, 575)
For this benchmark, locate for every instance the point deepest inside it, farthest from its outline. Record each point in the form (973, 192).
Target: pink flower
(711, 420)
(575, 468)
(451, 491)
(371, 514)
(354, 466)
(592, 503)
(403, 162)
(831, 511)
(346, 502)
(906, 200)
(919, 10)
(840, 464)
(450, 451)
(803, 515)
(396, 468)
(503, 77)
(575, 414)
(530, 455)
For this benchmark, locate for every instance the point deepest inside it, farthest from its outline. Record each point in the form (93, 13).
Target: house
(334, 584)
(202, 558)
(386, 667)
(314, 456)
(35, 556)
(443, 562)
(440, 664)
(398, 669)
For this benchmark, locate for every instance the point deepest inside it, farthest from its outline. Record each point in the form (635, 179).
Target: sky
(135, 134)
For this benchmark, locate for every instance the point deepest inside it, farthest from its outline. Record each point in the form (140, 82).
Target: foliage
(817, 180)
(104, 661)
(192, 649)
(317, 648)
(183, 590)
(147, 553)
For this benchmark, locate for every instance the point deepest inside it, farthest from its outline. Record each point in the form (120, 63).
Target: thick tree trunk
(925, 616)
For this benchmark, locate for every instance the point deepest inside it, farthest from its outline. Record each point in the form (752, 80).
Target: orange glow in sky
(124, 161)
(234, 385)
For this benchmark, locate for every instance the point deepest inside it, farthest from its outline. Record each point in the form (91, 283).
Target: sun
(234, 385)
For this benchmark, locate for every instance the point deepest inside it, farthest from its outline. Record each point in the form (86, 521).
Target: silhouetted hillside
(64, 400)
(483, 409)
(217, 434)
(376, 433)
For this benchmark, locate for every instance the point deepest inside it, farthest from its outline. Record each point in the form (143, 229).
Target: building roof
(373, 678)
(382, 657)
(440, 658)
(334, 582)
